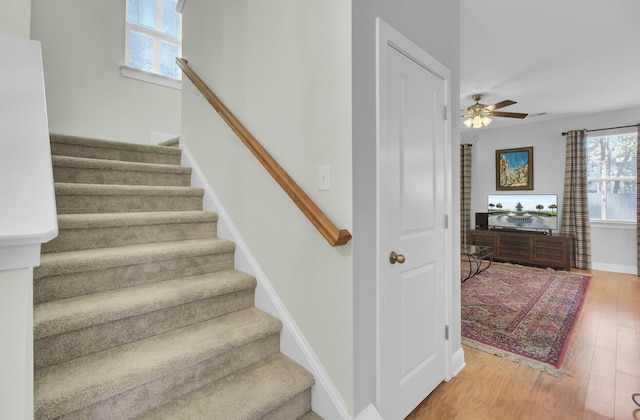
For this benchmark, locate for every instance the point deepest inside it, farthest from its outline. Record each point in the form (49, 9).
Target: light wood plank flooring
(603, 359)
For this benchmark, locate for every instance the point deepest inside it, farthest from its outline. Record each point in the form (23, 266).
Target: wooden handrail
(331, 233)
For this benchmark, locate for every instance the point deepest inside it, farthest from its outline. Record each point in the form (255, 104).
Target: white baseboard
(157, 138)
(457, 362)
(326, 400)
(615, 268)
(369, 413)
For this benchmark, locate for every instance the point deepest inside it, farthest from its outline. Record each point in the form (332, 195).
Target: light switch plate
(323, 178)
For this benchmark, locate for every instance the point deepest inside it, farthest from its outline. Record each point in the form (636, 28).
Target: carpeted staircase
(138, 310)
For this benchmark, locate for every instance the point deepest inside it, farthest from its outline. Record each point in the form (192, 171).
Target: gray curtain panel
(638, 197)
(575, 206)
(465, 192)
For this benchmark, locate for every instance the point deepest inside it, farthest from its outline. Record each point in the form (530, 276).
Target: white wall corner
(326, 400)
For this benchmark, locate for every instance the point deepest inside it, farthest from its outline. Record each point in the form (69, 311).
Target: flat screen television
(523, 211)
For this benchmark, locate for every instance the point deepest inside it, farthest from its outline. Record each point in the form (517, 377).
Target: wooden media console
(555, 251)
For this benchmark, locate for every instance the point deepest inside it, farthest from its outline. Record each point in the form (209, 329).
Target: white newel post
(27, 214)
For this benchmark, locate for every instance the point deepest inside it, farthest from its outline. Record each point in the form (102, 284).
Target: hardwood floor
(603, 359)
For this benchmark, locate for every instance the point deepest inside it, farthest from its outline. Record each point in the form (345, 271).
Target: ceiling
(560, 58)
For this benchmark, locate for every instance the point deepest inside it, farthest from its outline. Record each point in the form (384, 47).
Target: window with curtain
(153, 38)
(611, 177)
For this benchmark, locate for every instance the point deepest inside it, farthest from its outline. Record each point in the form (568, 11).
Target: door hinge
(446, 221)
(444, 112)
(446, 332)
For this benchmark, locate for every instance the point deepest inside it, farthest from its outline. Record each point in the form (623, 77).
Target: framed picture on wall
(514, 169)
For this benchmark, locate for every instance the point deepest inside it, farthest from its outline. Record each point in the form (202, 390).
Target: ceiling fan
(478, 115)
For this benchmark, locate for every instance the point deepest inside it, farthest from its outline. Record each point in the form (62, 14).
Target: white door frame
(388, 36)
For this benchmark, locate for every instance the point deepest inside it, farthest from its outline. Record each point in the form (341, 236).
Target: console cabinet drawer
(483, 240)
(514, 247)
(551, 253)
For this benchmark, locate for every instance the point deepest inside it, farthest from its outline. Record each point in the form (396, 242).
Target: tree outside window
(611, 177)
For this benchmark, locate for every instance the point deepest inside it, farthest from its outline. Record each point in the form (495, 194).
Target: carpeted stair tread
(71, 314)
(102, 230)
(100, 171)
(97, 198)
(274, 381)
(93, 163)
(310, 416)
(81, 382)
(100, 259)
(99, 337)
(100, 220)
(69, 188)
(63, 145)
(78, 283)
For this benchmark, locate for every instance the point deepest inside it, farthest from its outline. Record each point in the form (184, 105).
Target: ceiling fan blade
(509, 114)
(500, 105)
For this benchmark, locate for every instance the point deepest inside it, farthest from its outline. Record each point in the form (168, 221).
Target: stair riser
(117, 177)
(295, 408)
(105, 237)
(68, 285)
(143, 398)
(84, 203)
(63, 149)
(62, 347)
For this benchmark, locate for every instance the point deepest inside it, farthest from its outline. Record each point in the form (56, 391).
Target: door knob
(396, 258)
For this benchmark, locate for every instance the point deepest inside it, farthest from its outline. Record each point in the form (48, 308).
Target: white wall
(15, 18)
(434, 26)
(283, 67)
(613, 249)
(83, 45)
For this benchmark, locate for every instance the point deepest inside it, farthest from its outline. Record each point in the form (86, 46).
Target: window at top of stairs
(153, 40)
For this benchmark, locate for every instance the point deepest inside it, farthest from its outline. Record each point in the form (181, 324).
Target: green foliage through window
(611, 177)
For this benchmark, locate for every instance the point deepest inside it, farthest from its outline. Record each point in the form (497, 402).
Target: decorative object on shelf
(522, 313)
(514, 169)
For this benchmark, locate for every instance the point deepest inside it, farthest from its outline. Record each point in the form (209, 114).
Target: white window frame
(154, 76)
(613, 223)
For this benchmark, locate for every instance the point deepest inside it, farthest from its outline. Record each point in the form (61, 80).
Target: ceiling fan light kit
(478, 115)
(477, 122)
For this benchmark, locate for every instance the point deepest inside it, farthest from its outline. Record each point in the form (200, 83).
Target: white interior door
(411, 222)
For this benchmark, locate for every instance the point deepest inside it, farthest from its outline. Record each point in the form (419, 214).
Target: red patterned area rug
(523, 313)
